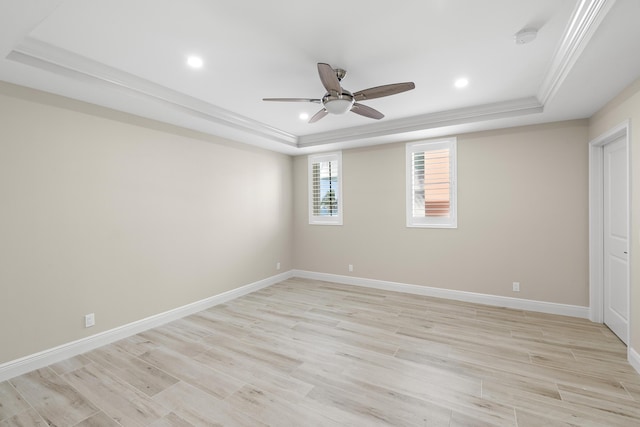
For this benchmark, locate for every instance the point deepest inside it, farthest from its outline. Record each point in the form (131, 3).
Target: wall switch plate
(516, 286)
(89, 320)
(351, 268)
(277, 266)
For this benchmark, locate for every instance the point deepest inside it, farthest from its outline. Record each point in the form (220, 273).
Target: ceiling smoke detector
(526, 36)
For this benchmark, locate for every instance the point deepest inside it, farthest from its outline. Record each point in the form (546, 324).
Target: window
(431, 184)
(325, 189)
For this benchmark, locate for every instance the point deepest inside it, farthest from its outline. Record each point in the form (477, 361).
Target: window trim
(317, 158)
(431, 145)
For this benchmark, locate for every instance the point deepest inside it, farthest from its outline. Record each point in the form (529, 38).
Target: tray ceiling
(130, 55)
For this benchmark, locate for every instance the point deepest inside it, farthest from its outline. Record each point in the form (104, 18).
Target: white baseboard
(47, 357)
(44, 358)
(494, 300)
(634, 359)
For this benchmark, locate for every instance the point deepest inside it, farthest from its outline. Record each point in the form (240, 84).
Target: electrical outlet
(89, 320)
(516, 286)
(277, 266)
(351, 268)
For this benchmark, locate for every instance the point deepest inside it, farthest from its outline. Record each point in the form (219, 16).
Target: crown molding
(53, 59)
(453, 117)
(50, 58)
(585, 19)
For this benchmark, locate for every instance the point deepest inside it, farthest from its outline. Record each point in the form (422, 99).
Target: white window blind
(325, 189)
(431, 173)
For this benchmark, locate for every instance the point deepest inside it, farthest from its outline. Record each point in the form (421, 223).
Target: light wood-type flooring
(310, 353)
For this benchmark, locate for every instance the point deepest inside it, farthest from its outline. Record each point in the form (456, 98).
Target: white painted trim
(424, 146)
(596, 219)
(584, 21)
(321, 158)
(53, 355)
(45, 56)
(493, 300)
(44, 358)
(634, 359)
(497, 110)
(583, 24)
(596, 243)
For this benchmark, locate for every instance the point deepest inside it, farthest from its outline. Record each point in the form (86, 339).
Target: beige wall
(626, 106)
(124, 217)
(107, 213)
(523, 216)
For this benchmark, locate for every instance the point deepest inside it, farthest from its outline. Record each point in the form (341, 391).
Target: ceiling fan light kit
(339, 101)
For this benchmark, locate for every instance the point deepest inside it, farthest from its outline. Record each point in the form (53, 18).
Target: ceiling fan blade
(380, 91)
(363, 110)
(329, 78)
(317, 116)
(292, 100)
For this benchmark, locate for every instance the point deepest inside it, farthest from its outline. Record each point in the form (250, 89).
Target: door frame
(596, 219)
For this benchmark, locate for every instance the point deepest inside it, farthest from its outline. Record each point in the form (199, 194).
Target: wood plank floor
(310, 353)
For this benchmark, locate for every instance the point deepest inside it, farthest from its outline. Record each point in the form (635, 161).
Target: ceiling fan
(338, 100)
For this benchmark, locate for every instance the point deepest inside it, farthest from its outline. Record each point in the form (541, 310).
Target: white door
(616, 246)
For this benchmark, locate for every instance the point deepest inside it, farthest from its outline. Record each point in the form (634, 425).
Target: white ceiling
(130, 55)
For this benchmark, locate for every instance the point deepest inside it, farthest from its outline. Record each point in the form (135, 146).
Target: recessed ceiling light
(195, 61)
(303, 116)
(461, 82)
